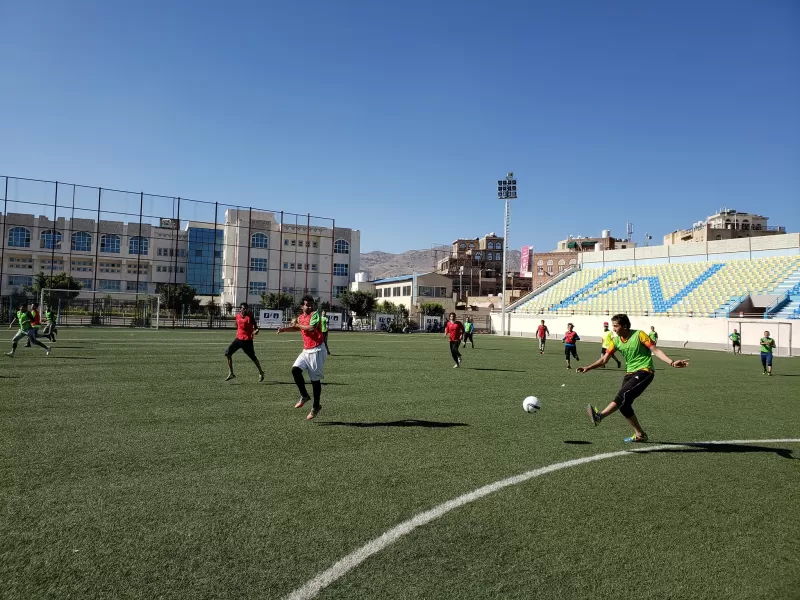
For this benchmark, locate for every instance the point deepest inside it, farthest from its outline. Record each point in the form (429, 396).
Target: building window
(258, 287)
(406, 290)
(489, 256)
(572, 261)
(259, 240)
(338, 289)
(85, 283)
(340, 270)
(477, 256)
(550, 263)
(108, 285)
(294, 242)
(396, 291)
(81, 241)
(20, 280)
(258, 264)
(379, 293)
(20, 263)
(498, 246)
(462, 246)
(540, 263)
(19, 237)
(341, 247)
(313, 267)
(314, 244)
(286, 265)
(50, 239)
(719, 237)
(138, 245)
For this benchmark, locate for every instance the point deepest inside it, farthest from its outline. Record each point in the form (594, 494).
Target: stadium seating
(692, 288)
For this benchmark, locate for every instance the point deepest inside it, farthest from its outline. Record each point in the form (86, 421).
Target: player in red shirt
(455, 331)
(570, 347)
(541, 334)
(245, 330)
(312, 358)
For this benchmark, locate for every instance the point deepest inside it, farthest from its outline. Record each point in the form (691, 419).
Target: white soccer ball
(531, 404)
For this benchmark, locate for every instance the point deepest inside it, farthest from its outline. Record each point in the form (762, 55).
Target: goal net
(113, 309)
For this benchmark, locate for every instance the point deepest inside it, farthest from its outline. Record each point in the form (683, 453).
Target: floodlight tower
(506, 190)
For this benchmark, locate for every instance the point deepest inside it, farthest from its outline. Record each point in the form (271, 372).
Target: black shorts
(735, 344)
(245, 346)
(632, 387)
(571, 350)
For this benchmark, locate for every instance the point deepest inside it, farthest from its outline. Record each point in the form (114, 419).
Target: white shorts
(312, 361)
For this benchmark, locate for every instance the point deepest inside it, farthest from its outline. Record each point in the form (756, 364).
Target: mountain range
(384, 264)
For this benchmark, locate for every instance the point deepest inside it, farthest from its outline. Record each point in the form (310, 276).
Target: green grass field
(129, 469)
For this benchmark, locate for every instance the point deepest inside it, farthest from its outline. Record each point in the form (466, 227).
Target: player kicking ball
(312, 358)
(245, 331)
(638, 349)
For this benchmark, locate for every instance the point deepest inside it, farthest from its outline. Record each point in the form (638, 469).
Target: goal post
(101, 308)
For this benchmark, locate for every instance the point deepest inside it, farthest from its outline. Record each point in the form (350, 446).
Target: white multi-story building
(262, 256)
(109, 256)
(249, 254)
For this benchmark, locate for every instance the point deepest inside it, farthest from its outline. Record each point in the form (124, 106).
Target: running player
(50, 329)
(312, 358)
(245, 331)
(653, 335)
(570, 340)
(606, 342)
(324, 321)
(25, 330)
(455, 331)
(638, 350)
(541, 334)
(469, 330)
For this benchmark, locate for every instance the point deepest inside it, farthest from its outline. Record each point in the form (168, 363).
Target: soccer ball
(531, 404)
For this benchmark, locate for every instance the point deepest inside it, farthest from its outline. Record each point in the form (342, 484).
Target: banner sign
(270, 319)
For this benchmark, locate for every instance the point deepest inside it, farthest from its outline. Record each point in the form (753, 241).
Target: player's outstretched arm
(598, 363)
(678, 364)
(289, 329)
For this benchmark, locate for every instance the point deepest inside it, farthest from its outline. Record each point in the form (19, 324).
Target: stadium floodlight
(506, 190)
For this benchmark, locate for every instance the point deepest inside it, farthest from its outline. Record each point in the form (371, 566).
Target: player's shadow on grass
(52, 356)
(722, 448)
(785, 375)
(9, 377)
(68, 347)
(402, 423)
(358, 355)
(489, 369)
(577, 442)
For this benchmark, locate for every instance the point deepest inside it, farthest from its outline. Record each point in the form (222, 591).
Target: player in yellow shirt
(607, 337)
(638, 350)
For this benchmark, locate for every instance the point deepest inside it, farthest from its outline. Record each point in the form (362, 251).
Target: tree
(387, 307)
(71, 287)
(175, 296)
(361, 303)
(278, 301)
(433, 309)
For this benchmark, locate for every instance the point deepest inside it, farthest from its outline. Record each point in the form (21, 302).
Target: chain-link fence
(201, 258)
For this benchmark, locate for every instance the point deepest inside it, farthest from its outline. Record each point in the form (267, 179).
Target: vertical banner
(525, 261)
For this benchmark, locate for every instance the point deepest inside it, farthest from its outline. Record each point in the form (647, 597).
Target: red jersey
(455, 329)
(244, 327)
(315, 337)
(541, 331)
(570, 338)
(37, 318)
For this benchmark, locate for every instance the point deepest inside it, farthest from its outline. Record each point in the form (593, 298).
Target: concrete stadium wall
(742, 248)
(673, 332)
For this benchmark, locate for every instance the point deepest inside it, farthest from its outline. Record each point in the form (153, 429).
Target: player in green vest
(324, 321)
(469, 330)
(653, 335)
(608, 335)
(638, 349)
(767, 344)
(50, 328)
(26, 329)
(736, 340)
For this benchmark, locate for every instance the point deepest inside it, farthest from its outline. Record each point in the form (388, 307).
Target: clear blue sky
(398, 118)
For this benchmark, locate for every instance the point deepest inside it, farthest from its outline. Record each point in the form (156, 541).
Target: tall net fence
(201, 258)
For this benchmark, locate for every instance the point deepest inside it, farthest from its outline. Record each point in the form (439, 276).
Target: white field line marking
(322, 580)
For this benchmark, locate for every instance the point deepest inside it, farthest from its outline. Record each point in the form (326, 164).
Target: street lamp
(506, 190)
